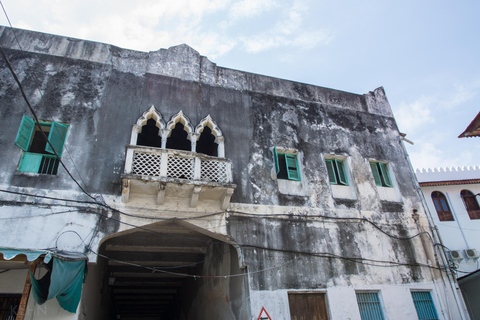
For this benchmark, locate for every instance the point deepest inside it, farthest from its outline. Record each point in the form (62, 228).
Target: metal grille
(212, 170)
(145, 163)
(179, 167)
(424, 305)
(369, 306)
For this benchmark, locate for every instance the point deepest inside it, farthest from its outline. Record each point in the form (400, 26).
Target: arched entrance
(172, 270)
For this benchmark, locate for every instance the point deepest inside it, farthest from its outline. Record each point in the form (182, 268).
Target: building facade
(200, 192)
(451, 195)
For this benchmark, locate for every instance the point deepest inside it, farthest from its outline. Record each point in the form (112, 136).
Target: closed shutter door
(307, 306)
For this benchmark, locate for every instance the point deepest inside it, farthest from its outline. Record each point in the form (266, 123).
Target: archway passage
(178, 139)
(206, 143)
(178, 289)
(149, 136)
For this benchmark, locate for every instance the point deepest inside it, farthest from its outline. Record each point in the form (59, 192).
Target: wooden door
(307, 306)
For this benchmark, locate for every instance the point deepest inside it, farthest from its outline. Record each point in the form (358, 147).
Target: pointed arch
(209, 138)
(180, 117)
(178, 133)
(148, 129)
(151, 113)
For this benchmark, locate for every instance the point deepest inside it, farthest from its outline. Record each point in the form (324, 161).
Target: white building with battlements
(452, 197)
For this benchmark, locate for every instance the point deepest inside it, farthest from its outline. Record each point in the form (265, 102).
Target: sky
(426, 54)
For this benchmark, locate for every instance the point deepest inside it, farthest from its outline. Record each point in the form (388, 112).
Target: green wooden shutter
(25, 133)
(292, 167)
(275, 154)
(30, 162)
(376, 174)
(385, 175)
(342, 176)
(57, 135)
(331, 171)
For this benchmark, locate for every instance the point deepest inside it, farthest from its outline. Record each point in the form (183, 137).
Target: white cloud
(412, 116)
(213, 27)
(425, 154)
(461, 95)
(249, 8)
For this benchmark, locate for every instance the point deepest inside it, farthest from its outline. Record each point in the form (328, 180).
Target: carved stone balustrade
(176, 176)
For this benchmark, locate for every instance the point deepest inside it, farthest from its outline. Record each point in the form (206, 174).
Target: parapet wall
(183, 62)
(448, 174)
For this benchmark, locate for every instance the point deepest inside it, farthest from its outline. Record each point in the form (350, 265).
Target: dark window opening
(286, 166)
(336, 172)
(149, 136)
(441, 205)
(206, 143)
(178, 139)
(381, 174)
(38, 155)
(471, 204)
(9, 304)
(39, 142)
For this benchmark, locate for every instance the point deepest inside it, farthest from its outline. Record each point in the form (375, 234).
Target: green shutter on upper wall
(57, 135)
(376, 174)
(331, 171)
(292, 167)
(385, 174)
(342, 177)
(30, 162)
(275, 154)
(25, 133)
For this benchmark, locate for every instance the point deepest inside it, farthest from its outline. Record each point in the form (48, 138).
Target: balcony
(175, 177)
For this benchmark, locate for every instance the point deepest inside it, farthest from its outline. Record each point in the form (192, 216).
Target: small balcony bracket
(226, 198)
(125, 190)
(194, 196)
(161, 193)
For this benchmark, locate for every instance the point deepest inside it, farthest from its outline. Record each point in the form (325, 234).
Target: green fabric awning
(31, 254)
(63, 281)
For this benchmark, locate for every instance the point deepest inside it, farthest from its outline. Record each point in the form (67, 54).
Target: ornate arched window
(442, 207)
(148, 129)
(471, 204)
(209, 138)
(179, 133)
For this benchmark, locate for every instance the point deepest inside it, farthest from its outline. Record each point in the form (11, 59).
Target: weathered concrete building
(200, 192)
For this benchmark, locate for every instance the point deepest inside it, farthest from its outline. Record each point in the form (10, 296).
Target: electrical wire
(37, 123)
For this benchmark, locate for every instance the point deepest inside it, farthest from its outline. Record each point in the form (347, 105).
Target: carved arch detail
(217, 133)
(180, 117)
(151, 113)
(209, 122)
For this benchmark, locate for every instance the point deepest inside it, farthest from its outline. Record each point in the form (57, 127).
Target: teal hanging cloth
(64, 281)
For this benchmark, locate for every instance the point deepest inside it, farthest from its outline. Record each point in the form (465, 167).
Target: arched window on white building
(471, 204)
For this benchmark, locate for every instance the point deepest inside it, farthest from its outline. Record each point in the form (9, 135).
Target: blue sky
(426, 54)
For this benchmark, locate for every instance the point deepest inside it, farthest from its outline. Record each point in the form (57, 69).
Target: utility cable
(37, 122)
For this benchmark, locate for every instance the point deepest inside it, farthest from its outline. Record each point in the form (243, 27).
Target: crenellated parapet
(448, 174)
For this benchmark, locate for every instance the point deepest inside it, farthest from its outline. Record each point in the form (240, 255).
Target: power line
(37, 122)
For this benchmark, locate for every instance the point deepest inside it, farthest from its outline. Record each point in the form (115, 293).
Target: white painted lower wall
(342, 304)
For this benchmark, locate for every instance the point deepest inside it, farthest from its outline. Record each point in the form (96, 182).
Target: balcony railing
(176, 164)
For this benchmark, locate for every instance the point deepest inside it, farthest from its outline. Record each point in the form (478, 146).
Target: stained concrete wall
(220, 297)
(101, 91)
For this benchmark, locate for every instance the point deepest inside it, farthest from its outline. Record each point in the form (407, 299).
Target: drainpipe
(456, 219)
(436, 236)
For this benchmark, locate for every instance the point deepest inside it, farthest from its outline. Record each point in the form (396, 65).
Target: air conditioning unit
(471, 253)
(456, 255)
